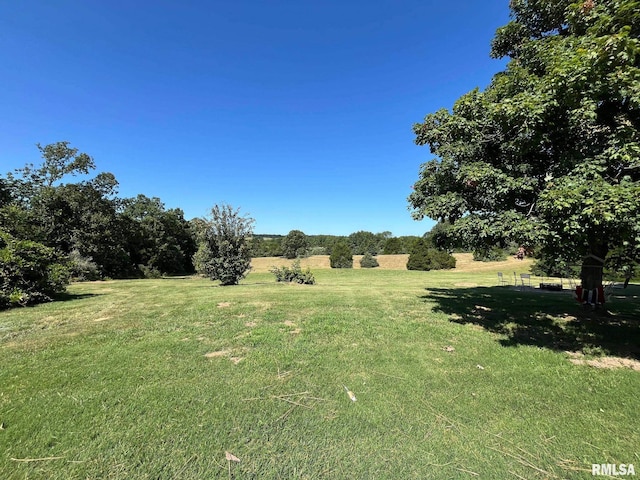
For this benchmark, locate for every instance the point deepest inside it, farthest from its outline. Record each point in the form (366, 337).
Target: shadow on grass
(546, 319)
(68, 297)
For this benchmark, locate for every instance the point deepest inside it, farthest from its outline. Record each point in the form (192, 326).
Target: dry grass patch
(578, 358)
(466, 263)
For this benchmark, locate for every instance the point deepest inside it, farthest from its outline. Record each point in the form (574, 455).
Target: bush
(83, 269)
(494, 254)
(423, 257)
(317, 251)
(369, 261)
(341, 256)
(149, 272)
(224, 252)
(29, 272)
(293, 274)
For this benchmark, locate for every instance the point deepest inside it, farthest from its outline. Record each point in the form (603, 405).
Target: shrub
(149, 272)
(224, 252)
(341, 256)
(83, 269)
(369, 261)
(493, 254)
(293, 274)
(29, 272)
(423, 257)
(317, 251)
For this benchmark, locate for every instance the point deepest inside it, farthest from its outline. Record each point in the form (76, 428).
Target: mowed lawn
(455, 377)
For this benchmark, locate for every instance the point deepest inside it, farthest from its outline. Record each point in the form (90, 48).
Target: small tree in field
(369, 261)
(295, 244)
(341, 256)
(424, 257)
(224, 251)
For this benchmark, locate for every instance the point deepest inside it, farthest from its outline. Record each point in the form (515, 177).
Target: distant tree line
(296, 244)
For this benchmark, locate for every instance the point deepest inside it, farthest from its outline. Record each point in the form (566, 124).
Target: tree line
(59, 220)
(297, 244)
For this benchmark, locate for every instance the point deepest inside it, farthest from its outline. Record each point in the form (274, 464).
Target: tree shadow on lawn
(67, 297)
(551, 320)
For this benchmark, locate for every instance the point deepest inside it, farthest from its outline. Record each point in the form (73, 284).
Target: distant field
(464, 263)
(454, 377)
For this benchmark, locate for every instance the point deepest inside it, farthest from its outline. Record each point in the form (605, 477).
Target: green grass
(115, 381)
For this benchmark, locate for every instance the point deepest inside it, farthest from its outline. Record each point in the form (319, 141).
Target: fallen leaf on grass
(448, 348)
(231, 457)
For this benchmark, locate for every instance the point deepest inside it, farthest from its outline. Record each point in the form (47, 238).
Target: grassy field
(455, 377)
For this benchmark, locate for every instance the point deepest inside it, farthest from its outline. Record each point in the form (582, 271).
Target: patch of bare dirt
(224, 304)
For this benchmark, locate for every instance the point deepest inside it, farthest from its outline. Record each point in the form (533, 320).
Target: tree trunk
(592, 272)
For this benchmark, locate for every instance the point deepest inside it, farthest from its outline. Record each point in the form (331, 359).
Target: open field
(455, 377)
(396, 262)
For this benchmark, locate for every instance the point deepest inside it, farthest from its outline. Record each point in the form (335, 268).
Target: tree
(392, 246)
(362, 242)
(424, 257)
(224, 252)
(160, 239)
(295, 244)
(549, 153)
(76, 217)
(368, 261)
(341, 256)
(59, 160)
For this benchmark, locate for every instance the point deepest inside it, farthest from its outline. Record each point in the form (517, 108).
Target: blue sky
(299, 112)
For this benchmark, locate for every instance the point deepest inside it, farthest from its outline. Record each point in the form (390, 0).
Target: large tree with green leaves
(159, 239)
(549, 153)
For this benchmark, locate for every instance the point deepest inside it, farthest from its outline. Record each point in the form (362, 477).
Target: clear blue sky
(299, 112)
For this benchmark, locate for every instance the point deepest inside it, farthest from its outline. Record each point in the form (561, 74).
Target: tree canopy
(295, 244)
(549, 153)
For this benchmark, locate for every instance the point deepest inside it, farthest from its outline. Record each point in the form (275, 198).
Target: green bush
(317, 251)
(293, 274)
(341, 256)
(29, 272)
(369, 261)
(149, 272)
(493, 254)
(423, 257)
(224, 251)
(83, 269)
